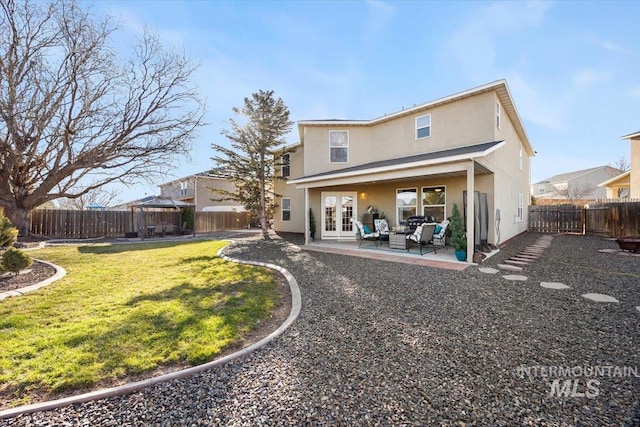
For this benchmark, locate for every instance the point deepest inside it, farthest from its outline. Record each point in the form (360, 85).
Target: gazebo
(158, 202)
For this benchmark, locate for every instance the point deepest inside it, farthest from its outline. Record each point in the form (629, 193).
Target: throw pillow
(438, 229)
(366, 229)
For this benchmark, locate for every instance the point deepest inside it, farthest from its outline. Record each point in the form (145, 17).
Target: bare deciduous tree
(576, 191)
(74, 116)
(622, 165)
(101, 196)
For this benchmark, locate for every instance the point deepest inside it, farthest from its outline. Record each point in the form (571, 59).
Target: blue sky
(573, 68)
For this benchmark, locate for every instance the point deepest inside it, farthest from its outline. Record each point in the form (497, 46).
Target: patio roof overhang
(452, 162)
(163, 202)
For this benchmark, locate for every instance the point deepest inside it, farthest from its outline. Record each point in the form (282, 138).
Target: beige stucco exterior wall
(283, 189)
(635, 168)
(465, 122)
(510, 181)
(198, 191)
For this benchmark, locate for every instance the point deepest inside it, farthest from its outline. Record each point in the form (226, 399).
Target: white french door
(338, 213)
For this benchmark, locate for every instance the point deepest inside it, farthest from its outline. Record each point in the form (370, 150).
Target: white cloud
(378, 19)
(473, 43)
(535, 106)
(589, 77)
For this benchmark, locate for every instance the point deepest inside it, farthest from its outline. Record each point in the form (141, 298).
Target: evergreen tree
(250, 163)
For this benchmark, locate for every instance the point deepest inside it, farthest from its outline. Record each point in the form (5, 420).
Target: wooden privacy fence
(75, 224)
(602, 219)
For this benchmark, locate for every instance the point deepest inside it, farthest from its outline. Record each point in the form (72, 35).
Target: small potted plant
(458, 235)
(312, 225)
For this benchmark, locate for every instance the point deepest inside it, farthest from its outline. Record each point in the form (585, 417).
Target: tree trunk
(19, 217)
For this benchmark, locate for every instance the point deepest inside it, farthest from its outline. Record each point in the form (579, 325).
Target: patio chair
(422, 237)
(382, 227)
(439, 234)
(364, 233)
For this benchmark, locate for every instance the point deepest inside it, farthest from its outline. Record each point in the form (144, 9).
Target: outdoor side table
(397, 240)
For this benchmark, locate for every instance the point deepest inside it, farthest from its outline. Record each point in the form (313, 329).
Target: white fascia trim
(615, 178)
(631, 135)
(450, 159)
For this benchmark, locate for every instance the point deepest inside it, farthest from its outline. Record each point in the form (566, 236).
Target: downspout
(470, 211)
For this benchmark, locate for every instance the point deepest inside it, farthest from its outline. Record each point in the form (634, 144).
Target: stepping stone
(523, 258)
(607, 251)
(515, 261)
(638, 308)
(600, 298)
(509, 267)
(516, 277)
(528, 256)
(487, 270)
(553, 285)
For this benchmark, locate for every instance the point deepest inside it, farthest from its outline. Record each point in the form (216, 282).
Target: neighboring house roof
(631, 135)
(199, 174)
(425, 159)
(499, 86)
(163, 202)
(615, 179)
(568, 176)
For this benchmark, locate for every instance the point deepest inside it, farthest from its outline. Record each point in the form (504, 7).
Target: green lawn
(125, 310)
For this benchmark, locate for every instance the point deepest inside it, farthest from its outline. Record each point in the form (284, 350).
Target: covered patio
(152, 222)
(444, 258)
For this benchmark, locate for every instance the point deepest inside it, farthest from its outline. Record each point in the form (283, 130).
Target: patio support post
(470, 211)
(306, 216)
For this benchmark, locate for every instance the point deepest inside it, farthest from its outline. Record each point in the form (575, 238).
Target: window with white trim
(286, 165)
(498, 114)
(520, 207)
(339, 146)
(423, 126)
(183, 188)
(406, 203)
(520, 154)
(434, 202)
(286, 209)
(541, 190)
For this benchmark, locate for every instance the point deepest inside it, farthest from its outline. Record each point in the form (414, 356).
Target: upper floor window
(520, 154)
(339, 146)
(286, 165)
(423, 126)
(498, 114)
(541, 190)
(183, 188)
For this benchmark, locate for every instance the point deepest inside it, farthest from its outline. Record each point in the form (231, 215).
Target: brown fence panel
(556, 219)
(614, 219)
(75, 224)
(207, 222)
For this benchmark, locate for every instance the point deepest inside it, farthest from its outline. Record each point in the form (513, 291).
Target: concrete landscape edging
(296, 305)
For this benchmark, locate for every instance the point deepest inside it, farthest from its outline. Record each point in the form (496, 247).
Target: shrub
(458, 235)
(8, 233)
(15, 260)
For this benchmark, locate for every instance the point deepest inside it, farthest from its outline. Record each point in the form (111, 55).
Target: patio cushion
(438, 229)
(366, 229)
(381, 225)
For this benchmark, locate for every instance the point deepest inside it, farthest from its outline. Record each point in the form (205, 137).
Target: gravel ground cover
(394, 344)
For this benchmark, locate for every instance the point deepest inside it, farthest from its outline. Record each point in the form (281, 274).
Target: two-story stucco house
(196, 189)
(418, 161)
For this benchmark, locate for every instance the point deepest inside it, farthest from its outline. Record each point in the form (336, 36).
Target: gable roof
(499, 86)
(631, 135)
(425, 159)
(615, 178)
(568, 176)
